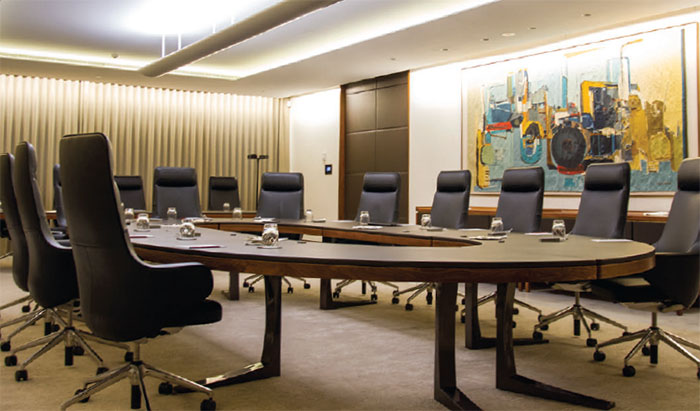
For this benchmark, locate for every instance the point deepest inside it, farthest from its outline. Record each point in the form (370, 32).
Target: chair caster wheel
(26, 308)
(251, 289)
(599, 356)
(514, 324)
(21, 375)
(208, 404)
(373, 297)
(6, 346)
(165, 388)
(595, 326)
(129, 356)
(429, 299)
(336, 294)
(290, 290)
(629, 371)
(462, 319)
(78, 350)
(699, 373)
(307, 286)
(79, 391)
(409, 307)
(539, 317)
(11, 360)
(245, 284)
(55, 328)
(516, 311)
(537, 336)
(464, 301)
(101, 370)
(544, 327)
(591, 342)
(646, 351)
(626, 333)
(395, 300)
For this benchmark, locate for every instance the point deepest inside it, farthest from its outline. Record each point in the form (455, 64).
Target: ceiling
(347, 41)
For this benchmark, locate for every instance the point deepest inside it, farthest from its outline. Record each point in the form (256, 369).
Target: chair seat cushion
(204, 312)
(621, 291)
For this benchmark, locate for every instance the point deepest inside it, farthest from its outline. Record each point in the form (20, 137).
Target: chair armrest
(186, 281)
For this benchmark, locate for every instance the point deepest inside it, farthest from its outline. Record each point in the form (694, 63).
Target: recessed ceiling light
(444, 49)
(485, 39)
(508, 34)
(533, 28)
(586, 14)
(392, 58)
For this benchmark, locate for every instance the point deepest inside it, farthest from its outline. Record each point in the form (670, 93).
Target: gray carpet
(366, 358)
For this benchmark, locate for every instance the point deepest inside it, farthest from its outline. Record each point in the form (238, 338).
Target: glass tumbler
(237, 213)
(425, 221)
(496, 224)
(227, 207)
(364, 217)
(559, 228)
(309, 215)
(172, 214)
(270, 234)
(142, 222)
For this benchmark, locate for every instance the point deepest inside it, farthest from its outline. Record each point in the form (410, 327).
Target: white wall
(434, 131)
(314, 123)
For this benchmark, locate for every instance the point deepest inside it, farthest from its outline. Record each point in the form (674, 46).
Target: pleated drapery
(148, 127)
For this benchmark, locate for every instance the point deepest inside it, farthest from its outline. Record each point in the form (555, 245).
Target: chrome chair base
(26, 298)
(252, 279)
(416, 290)
(136, 370)
(372, 284)
(652, 335)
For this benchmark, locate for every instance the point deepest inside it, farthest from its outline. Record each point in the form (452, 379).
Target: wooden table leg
(270, 360)
(445, 380)
(506, 375)
(233, 292)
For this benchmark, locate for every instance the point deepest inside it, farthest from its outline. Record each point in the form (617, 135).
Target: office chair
(18, 243)
(60, 226)
(520, 208)
(380, 196)
(673, 284)
(131, 191)
(51, 280)
(450, 209)
(223, 190)
(602, 213)
(281, 196)
(123, 298)
(176, 187)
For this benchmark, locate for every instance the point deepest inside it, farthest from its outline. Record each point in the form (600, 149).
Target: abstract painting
(623, 99)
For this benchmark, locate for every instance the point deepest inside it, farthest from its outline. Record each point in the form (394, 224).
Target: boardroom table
(400, 253)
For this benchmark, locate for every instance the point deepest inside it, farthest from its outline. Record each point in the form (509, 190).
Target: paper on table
(539, 233)
(611, 240)
(473, 229)
(367, 227)
(140, 235)
(192, 247)
(656, 214)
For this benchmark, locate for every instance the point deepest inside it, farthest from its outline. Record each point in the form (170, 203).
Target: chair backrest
(223, 190)
(380, 196)
(176, 187)
(603, 208)
(20, 254)
(451, 200)
(281, 196)
(52, 279)
(520, 201)
(58, 197)
(678, 276)
(131, 191)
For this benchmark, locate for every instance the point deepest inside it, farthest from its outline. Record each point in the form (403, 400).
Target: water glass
(237, 213)
(364, 217)
(187, 230)
(270, 234)
(496, 224)
(142, 222)
(227, 207)
(172, 214)
(128, 214)
(425, 221)
(559, 228)
(309, 215)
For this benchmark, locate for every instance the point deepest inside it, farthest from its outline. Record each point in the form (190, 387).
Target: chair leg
(595, 315)
(548, 319)
(16, 302)
(634, 336)
(176, 379)
(528, 306)
(100, 382)
(641, 343)
(668, 339)
(681, 340)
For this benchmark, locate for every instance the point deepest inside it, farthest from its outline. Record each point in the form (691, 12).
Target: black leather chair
(223, 190)
(281, 196)
(674, 282)
(20, 255)
(520, 208)
(60, 226)
(380, 197)
(131, 191)
(52, 280)
(176, 187)
(123, 298)
(450, 209)
(602, 213)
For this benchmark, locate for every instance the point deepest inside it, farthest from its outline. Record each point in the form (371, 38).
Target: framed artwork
(622, 99)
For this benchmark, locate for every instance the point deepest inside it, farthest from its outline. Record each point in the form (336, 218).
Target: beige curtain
(148, 127)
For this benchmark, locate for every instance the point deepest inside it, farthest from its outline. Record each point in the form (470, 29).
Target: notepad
(140, 235)
(611, 240)
(194, 247)
(366, 227)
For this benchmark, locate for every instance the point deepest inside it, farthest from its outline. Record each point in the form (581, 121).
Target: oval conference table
(445, 257)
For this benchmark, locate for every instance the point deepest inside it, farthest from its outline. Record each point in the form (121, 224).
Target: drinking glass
(128, 214)
(142, 222)
(496, 224)
(172, 214)
(187, 230)
(425, 221)
(309, 215)
(227, 207)
(270, 234)
(237, 213)
(559, 228)
(364, 217)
